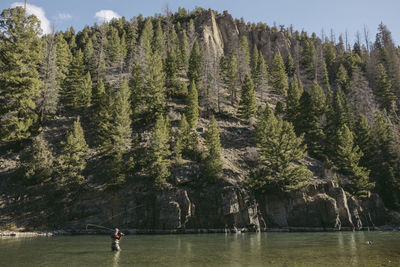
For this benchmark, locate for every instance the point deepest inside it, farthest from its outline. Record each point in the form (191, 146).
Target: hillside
(93, 132)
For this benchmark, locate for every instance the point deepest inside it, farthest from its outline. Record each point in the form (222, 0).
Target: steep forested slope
(196, 120)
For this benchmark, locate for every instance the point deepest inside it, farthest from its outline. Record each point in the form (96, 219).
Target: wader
(115, 245)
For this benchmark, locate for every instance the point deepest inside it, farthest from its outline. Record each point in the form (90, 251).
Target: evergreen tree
(154, 87)
(384, 169)
(279, 148)
(74, 155)
(159, 41)
(348, 156)
(103, 108)
(243, 58)
(114, 47)
(64, 57)
(131, 37)
(212, 162)
(313, 107)
(342, 79)
(247, 106)
(293, 101)
(171, 71)
(74, 84)
(262, 83)
(192, 109)
(86, 91)
(308, 59)
(122, 131)
(384, 93)
(290, 67)
(230, 76)
(255, 70)
(363, 138)
(195, 65)
(279, 77)
(159, 153)
(38, 161)
(89, 57)
(20, 55)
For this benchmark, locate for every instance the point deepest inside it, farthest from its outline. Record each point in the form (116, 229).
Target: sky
(308, 15)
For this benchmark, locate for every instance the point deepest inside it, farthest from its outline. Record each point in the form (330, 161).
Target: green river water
(250, 249)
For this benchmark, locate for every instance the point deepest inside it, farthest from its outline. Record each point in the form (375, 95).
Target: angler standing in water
(116, 237)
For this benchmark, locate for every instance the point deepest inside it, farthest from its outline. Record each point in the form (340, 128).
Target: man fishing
(115, 238)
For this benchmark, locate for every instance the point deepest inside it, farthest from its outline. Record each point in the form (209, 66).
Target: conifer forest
(195, 119)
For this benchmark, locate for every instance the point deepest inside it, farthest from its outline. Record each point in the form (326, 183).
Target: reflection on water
(116, 258)
(251, 249)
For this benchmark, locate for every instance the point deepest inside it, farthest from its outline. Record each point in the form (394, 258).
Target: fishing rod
(98, 226)
(103, 227)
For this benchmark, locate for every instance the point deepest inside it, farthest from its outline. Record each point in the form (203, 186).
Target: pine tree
(279, 148)
(120, 135)
(192, 109)
(73, 86)
(100, 44)
(20, 55)
(184, 134)
(384, 168)
(384, 93)
(313, 107)
(243, 58)
(293, 101)
(171, 71)
(48, 100)
(308, 59)
(131, 37)
(212, 162)
(290, 67)
(74, 155)
(255, 70)
(64, 58)
(342, 79)
(347, 159)
(159, 41)
(230, 76)
(103, 110)
(154, 87)
(38, 161)
(114, 47)
(279, 77)
(363, 138)
(86, 91)
(195, 65)
(262, 83)
(159, 153)
(121, 130)
(89, 56)
(248, 105)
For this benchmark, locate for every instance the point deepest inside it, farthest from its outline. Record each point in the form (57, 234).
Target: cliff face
(187, 204)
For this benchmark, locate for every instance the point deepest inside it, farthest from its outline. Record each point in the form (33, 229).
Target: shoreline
(51, 233)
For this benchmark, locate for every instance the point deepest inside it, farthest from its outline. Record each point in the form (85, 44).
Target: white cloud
(106, 15)
(39, 13)
(64, 16)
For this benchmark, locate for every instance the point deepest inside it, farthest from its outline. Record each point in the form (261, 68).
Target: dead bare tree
(366, 37)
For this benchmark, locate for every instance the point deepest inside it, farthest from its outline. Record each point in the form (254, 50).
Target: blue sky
(310, 15)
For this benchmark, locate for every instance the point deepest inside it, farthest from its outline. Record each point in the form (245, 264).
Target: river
(250, 249)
